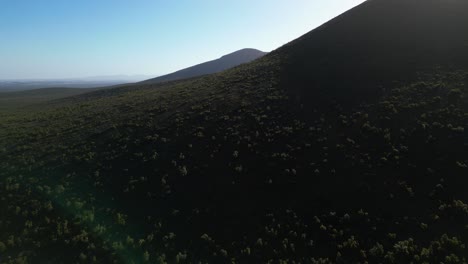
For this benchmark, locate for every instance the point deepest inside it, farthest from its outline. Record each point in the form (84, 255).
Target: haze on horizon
(55, 39)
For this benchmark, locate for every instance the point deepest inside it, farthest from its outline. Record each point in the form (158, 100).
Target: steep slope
(360, 53)
(229, 168)
(225, 62)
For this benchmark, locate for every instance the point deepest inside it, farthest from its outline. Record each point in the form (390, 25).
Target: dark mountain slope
(226, 168)
(374, 45)
(226, 62)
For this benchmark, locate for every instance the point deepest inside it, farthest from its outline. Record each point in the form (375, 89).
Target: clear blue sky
(78, 38)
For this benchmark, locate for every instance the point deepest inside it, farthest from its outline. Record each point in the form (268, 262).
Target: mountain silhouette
(361, 52)
(225, 62)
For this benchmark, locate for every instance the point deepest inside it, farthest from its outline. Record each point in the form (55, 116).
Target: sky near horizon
(53, 39)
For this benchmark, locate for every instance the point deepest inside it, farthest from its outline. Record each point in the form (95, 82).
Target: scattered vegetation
(316, 153)
(224, 169)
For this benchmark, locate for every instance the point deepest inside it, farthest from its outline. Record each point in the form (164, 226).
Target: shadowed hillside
(367, 49)
(348, 145)
(226, 62)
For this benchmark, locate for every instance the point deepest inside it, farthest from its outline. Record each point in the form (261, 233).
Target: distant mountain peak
(246, 51)
(223, 63)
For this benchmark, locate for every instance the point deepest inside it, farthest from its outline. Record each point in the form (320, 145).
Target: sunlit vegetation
(219, 170)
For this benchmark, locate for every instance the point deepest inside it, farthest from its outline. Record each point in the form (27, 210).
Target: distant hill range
(225, 62)
(13, 85)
